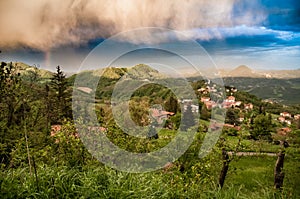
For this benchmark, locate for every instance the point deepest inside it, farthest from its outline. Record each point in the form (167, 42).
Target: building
(297, 117)
(227, 104)
(234, 90)
(286, 115)
(237, 103)
(248, 106)
(230, 99)
(284, 131)
(283, 120)
(186, 101)
(288, 122)
(160, 115)
(205, 99)
(210, 104)
(203, 90)
(195, 108)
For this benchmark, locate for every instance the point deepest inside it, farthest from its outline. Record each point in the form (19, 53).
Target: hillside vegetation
(43, 156)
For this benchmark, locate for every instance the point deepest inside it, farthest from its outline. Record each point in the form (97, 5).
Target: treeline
(29, 108)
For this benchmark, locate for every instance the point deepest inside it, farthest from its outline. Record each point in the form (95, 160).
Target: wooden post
(225, 167)
(35, 173)
(278, 171)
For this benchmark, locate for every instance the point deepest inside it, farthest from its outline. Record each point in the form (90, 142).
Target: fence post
(278, 171)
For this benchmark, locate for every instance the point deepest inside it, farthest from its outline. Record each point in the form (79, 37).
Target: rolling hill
(277, 86)
(25, 69)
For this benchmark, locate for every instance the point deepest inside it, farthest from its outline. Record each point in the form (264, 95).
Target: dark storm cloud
(43, 24)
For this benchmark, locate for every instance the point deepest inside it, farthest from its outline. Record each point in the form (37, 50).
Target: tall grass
(98, 181)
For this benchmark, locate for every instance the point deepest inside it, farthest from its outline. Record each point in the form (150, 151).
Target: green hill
(25, 69)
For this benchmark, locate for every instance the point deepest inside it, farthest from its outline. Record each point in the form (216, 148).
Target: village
(244, 112)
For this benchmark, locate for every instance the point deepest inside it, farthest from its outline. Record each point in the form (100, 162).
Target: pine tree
(62, 95)
(10, 95)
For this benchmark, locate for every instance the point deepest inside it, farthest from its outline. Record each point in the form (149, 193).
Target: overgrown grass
(248, 177)
(189, 177)
(251, 145)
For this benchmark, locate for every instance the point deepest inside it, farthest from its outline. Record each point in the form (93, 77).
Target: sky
(262, 34)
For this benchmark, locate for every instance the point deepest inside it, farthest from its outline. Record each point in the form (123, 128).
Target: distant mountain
(111, 72)
(281, 74)
(25, 69)
(142, 71)
(241, 71)
(245, 71)
(110, 75)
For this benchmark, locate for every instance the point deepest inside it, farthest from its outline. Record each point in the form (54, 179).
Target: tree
(171, 104)
(262, 127)
(62, 96)
(231, 117)
(205, 113)
(7, 102)
(9, 92)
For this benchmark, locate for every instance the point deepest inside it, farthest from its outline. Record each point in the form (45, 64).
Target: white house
(286, 114)
(230, 99)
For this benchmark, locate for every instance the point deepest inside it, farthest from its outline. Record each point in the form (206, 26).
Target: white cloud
(242, 30)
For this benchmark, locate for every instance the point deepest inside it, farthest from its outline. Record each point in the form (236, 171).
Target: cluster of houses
(160, 115)
(286, 118)
(189, 102)
(229, 102)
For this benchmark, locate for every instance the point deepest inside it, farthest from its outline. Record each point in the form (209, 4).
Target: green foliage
(10, 88)
(248, 177)
(285, 91)
(65, 169)
(262, 127)
(139, 111)
(171, 104)
(198, 84)
(205, 114)
(68, 147)
(176, 119)
(232, 116)
(230, 131)
(61, 97)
